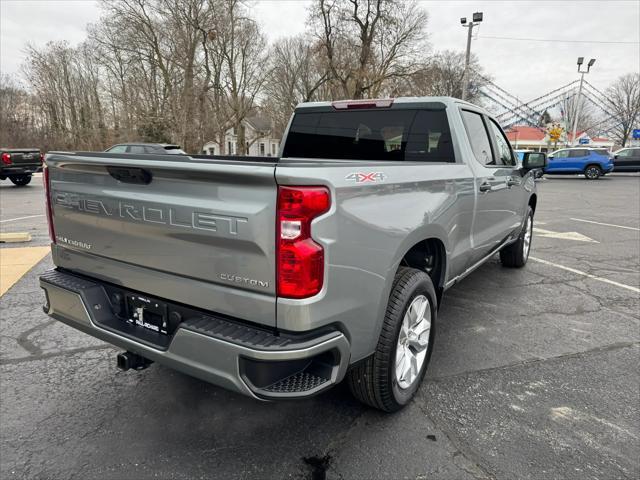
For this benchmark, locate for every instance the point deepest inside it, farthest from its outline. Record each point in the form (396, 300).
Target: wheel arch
(430, 256)
(592, 164)
(533, 202)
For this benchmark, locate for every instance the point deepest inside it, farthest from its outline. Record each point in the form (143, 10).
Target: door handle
(485, 187)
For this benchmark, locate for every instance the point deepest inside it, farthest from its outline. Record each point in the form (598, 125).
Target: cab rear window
(386, 135)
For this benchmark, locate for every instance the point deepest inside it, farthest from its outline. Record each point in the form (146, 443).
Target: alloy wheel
(413, 341)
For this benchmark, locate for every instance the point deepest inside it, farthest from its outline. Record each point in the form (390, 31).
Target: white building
(257, 135)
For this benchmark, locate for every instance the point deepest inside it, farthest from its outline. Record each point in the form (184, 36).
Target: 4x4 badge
(369, 177)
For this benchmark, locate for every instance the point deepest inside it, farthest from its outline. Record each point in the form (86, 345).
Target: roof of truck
(403, 101)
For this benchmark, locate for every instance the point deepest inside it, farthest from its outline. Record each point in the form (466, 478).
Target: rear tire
(20, 180)
(389, 378)
(516, 254)
(592, 172)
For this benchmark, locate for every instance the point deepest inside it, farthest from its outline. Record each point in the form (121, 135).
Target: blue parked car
(592, 162)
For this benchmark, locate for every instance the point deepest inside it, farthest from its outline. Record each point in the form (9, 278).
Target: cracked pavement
(534, 375)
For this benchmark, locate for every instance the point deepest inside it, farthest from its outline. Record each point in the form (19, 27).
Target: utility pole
(477, 18)
(578, 101)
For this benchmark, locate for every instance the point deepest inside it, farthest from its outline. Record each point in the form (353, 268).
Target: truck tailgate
(200, 232)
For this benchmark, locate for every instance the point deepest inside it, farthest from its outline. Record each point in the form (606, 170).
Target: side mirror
(533, 160)
(615, 157)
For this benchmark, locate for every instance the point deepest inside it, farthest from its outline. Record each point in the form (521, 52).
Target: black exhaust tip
(129, 360)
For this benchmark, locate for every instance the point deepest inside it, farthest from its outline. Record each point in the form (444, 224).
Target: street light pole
(477, 18)
(578, 101)
(577, 110)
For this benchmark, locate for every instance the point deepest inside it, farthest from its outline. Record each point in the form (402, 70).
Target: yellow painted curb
(15, 262)
(8, 237)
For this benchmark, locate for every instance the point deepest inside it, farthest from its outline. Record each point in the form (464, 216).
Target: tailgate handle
(130, 175)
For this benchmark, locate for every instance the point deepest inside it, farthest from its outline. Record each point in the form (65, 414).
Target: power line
(557, 40)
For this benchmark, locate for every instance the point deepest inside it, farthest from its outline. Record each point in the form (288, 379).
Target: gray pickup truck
(278, 277)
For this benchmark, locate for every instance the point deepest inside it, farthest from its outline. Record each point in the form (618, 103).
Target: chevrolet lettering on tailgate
(140, 212)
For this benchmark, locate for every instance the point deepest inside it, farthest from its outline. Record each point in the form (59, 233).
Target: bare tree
(443, 76)
(367, 43)
(241, 49)
(20, 123)
(297, 75)
(624, 99)
(568, 107)
(187, 71)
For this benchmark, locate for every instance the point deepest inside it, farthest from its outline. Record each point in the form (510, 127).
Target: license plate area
(147, 319)
(148, 313)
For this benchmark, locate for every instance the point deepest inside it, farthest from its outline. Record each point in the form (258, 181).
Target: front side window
(391, 135)
(561, 154)
(478, 137)
(626, 153)
(505, 157)
(137, 149)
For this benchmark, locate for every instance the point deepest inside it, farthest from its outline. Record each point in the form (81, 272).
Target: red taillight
(47, 192)
(6, 158)
(356, 104)
(300, 259)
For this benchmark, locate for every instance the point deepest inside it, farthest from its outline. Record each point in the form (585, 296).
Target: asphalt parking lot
(535, 375)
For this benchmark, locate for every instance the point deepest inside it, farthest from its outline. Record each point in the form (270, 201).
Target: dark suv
(627, 159)
(152, 148)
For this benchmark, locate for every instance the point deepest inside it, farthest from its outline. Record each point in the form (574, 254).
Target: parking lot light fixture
(476, 19)
(577, 109)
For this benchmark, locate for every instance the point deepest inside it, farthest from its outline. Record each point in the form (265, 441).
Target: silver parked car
(147, 148)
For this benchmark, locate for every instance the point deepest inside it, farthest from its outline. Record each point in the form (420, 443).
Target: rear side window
(579, 152)
(478, 137)
(137, 149)
(395, 135)
(118, 149)
(504, 150)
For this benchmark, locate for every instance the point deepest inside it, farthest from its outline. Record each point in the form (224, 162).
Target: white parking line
(606, 224)
(588, 275)
(20, 218)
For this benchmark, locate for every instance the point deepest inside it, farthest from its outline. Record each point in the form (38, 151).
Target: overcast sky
(526, 68)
